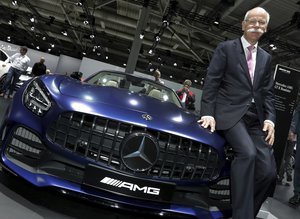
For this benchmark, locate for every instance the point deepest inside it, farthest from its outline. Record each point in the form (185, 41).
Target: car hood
(122, 98)
(120, 104)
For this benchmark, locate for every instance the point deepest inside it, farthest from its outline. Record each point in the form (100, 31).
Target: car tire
(2, 80)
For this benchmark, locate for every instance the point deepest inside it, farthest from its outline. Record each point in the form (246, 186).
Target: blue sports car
(118, 139)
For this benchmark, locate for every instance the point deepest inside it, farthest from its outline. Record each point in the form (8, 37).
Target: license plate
(125, 185)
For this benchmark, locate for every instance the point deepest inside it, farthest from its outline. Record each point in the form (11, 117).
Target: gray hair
(260, 9)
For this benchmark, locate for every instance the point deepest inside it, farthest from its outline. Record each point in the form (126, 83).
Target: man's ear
(243, 25)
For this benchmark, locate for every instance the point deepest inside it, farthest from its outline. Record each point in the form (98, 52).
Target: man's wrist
(207, 117)
(270, 122)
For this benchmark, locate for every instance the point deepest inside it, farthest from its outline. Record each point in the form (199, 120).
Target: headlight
(36, 98)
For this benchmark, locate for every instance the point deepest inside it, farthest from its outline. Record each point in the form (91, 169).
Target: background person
(295, 129)
(238, 100)
(20, 62)
(157, 76)
(39, 68)
(186, 96)
(286, 166)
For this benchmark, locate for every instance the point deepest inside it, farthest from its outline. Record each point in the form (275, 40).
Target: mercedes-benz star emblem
(147, 117)
(139, 151)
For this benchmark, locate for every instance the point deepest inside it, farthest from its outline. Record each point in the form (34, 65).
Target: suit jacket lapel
(242, 57)
(259, 62)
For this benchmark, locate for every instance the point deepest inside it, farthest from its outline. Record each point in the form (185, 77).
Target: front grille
(220, 190)
(99, 139)
(25, 146)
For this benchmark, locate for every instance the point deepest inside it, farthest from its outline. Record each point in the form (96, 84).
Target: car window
(134, 84)
(3, 56)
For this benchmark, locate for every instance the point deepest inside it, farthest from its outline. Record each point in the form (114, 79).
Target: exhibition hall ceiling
(178, 36)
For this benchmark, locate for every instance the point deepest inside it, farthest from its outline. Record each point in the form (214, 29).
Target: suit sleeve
(213, 80)
(269, 107)
(34, 69)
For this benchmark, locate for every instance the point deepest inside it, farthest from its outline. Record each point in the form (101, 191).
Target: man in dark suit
(238, 100)
(39, 68)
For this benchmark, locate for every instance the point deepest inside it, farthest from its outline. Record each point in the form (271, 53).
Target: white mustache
(253, 30)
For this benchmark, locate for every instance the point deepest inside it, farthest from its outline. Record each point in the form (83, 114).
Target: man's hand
(269, 128)
(208, 121)
(185, 89)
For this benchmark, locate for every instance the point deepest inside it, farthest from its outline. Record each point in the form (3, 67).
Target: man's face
(23, 51)
(186, 87)
(255, 25)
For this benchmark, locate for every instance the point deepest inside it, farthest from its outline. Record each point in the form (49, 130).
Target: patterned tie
(250, 62)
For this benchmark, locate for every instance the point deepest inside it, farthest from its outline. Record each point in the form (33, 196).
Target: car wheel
(2, 80)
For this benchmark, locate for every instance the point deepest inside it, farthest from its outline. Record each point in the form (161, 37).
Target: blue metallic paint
(71, 95)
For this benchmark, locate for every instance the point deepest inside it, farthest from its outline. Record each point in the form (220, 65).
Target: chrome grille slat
(99, 139)
(102, 140)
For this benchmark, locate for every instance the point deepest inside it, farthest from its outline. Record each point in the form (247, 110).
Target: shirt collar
(245, 43)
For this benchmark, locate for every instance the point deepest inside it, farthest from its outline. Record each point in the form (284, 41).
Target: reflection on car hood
(122, 105)
(122, 98)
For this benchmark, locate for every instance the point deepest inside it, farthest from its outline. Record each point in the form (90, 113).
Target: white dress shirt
(20, 62)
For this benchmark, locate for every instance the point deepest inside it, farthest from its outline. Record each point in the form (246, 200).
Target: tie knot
(250, 48)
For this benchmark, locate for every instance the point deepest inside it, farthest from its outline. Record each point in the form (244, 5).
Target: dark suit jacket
(228, 91)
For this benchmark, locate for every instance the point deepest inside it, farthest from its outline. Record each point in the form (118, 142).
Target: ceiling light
(217, 21)
(85, 22)
(32, 28)
(64, 32)
(92, 36)
(98, 54)
(171, 76)
(142, 35)
(49, 49)
(79, 3)
(124, 64)
(158, 58)
(37, 47)
(157, 38)
(175, 64)
(52, 45)
(10, 22)
(106, 57)
(14, 2)
(94, 50)
(272, 45)
(8, 38)
(44, 38)
(32, 19)
(150, 51)
(84, 53)
(274, 48)
(165, 22)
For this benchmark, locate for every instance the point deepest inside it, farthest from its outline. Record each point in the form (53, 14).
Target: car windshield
(134, 84)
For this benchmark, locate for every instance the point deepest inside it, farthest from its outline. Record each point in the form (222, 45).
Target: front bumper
(25, 154)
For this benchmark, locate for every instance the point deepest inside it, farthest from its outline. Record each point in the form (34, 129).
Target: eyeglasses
(254, 21)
